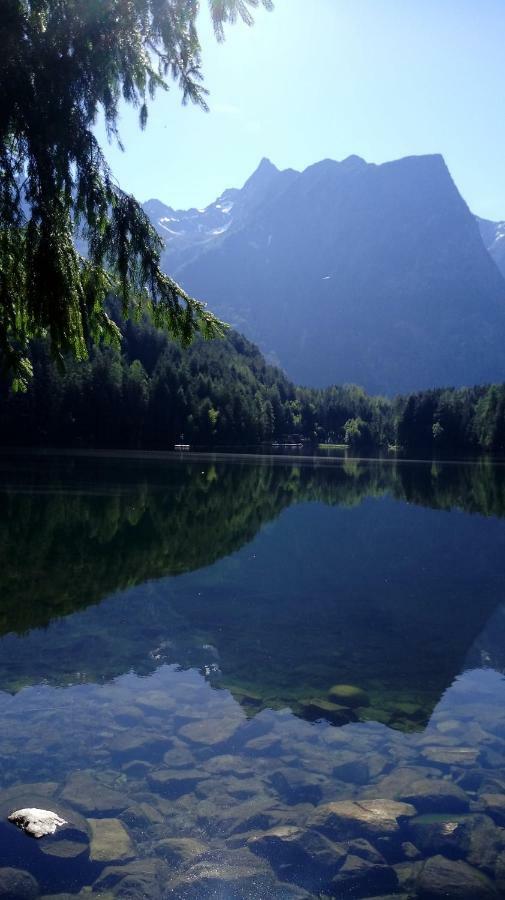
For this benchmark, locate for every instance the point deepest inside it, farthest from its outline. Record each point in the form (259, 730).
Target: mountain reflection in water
(275, 581)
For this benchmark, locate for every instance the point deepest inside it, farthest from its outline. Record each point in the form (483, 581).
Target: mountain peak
(354, 162)
(266, 166)
(263, 174)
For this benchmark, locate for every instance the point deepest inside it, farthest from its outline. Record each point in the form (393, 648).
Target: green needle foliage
(61, 63)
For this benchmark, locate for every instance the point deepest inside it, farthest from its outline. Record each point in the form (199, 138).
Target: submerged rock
(435, 795)
(360, 877)
(351, 767)
(238, 818)
(36, 822)
(410, 851)
(408, 874)
(441, 877)
(137, 744)
(110, 841)
(210, 732)
(229, 764)
(348, 695)
(435, 834)
(306, 857)
(143, 879)
(15, 884)
(346, 819)
(297, 786)
(263, 745)
(451, 756)
(92, 797)
(230, 874)
(173, 783)
(473, 837)
(337, 714)
(397, 783)
(495, 805)
(181, 851)
(141, 815)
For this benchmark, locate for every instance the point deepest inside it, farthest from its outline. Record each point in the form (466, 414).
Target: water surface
(198, 658)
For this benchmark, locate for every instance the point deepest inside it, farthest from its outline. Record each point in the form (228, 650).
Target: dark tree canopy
(61, 63)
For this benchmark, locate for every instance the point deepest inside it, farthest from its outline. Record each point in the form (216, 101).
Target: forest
(222, 393)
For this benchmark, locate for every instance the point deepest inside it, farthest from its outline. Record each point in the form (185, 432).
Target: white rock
(36, 822)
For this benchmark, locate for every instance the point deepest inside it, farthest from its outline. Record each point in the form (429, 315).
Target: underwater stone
(397, 782)
(409, 850)
(229, 873)
(134, 745)
(64, 849)
(91, 796)
(499, 871)
(451, 756)
(445, 726)
(36, 822)
(160, 701)
(179, 756)
(297, 786)
(441, 877)
(173, 783)
(474, 837)
(240, 818)
(110, 841)
(249, 699)
(141, 815)
(181, 851)
(299, 855)
(136, 768)
(348, 695)
(363, 848)
(15, 884)
(346, 819)
(351, 768)
(34, 789)
(143, 879)
(265, 745)
(435, 795)
(210, 731)
(360, 877)
(228, 764)
(495, 805)
(408, 874)
(316, 708)
(438, 833)
(230, 789)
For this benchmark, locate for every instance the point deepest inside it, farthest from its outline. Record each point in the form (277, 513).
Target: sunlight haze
(378, 80)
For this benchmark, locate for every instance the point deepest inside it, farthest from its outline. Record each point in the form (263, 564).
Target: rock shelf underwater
(251, 681)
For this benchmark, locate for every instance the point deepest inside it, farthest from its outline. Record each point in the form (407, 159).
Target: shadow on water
(277, 582)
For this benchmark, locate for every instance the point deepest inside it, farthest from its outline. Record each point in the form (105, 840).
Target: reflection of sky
(175, 722)
(488, 649)
(45, 731)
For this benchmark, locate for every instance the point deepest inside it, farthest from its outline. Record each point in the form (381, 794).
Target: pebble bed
(171, 788)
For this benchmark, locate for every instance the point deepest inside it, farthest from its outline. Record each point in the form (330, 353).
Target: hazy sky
(329, 78)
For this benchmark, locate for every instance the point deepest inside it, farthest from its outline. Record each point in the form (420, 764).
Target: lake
(253, 678)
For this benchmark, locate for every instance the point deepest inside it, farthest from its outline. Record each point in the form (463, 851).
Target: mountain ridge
(350, 272)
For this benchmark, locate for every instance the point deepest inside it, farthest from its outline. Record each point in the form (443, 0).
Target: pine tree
(61, 63)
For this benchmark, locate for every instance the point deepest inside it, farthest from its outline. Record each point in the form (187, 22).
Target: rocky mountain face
(349, 272)
(493, 235)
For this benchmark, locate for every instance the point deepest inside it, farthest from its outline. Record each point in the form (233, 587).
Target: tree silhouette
(62, 62)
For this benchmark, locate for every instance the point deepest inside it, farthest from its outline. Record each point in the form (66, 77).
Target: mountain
(349, 272)
(493, 235)
(187, 231)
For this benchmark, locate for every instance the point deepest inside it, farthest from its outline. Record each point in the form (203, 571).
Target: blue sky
(329, 78)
